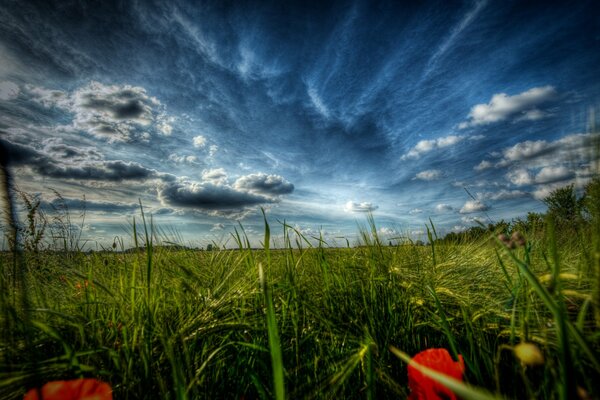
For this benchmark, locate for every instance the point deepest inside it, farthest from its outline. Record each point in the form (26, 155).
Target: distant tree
(591, 200)
(209, 247)
(564, 206)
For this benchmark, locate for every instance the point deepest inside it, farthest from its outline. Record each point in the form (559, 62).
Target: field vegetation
(307, 320)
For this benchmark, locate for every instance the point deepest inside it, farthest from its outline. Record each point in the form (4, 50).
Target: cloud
(426, 146)
(503, 194)
(181, 159)
(520, 177)
(270, 185)
(110, 112)
(199, 141)
(75, 163)
(8, 90)
(415, 211)
(92, 206)
(208, 196)
(387, 231)
(352, 206)
(443, 208)
(216, 175)
(554, 174)
(469, 219)
(483, 165)
(217, 227)
(429, 175)
(472, 206)
(459, 228)
(501, 107)
(214, 193)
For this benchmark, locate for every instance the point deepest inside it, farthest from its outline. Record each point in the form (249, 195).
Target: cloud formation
(60, 161)
(441, 208)
(214, 193)
(115, 113)
(523, 106)
(472, 206)
(8, 90)
(199, 141)
(425, 146)
(269, 185)
(363, 207)
(429, 175)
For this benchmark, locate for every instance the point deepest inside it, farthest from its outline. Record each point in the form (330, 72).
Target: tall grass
(303, 321)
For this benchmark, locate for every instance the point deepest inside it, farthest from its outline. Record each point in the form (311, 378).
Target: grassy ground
(314, 322)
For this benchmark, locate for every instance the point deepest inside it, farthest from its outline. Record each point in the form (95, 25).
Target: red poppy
(425, 388)
(77, 389)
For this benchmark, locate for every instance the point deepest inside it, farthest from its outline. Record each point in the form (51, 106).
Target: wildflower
(518, 239)
(76, 389)
(425, 388)
(507, 242)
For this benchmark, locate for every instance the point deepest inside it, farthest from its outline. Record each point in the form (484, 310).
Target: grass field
(305, 321)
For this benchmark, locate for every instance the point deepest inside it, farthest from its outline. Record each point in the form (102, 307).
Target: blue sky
(318, 112)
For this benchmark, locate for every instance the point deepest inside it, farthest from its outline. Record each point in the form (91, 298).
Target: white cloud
(526, 150)
(387, 231)
(8, 90)
(217, 227)
(181, 159)
(216, 175)
(199, 141)
(459, 228)
(553, 174)
(483, 165)
(502, 194)
(429, 175)
(519, 177)
(470, 220)
(352, 206)
(472, 206)
(523, 106)
(415, 211)
(212, 150)
(425, 146)
(443, 208)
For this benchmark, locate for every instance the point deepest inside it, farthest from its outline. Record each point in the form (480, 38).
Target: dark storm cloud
(208, 196)
(91, 169)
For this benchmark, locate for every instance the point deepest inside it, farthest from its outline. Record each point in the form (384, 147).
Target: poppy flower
(425, 388)
(76, 389)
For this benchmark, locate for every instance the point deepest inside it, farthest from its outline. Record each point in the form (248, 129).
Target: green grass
(309, 322)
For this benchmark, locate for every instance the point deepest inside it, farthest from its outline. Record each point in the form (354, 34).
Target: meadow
(305, 320)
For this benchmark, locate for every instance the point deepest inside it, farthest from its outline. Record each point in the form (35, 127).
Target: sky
(317, 112)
